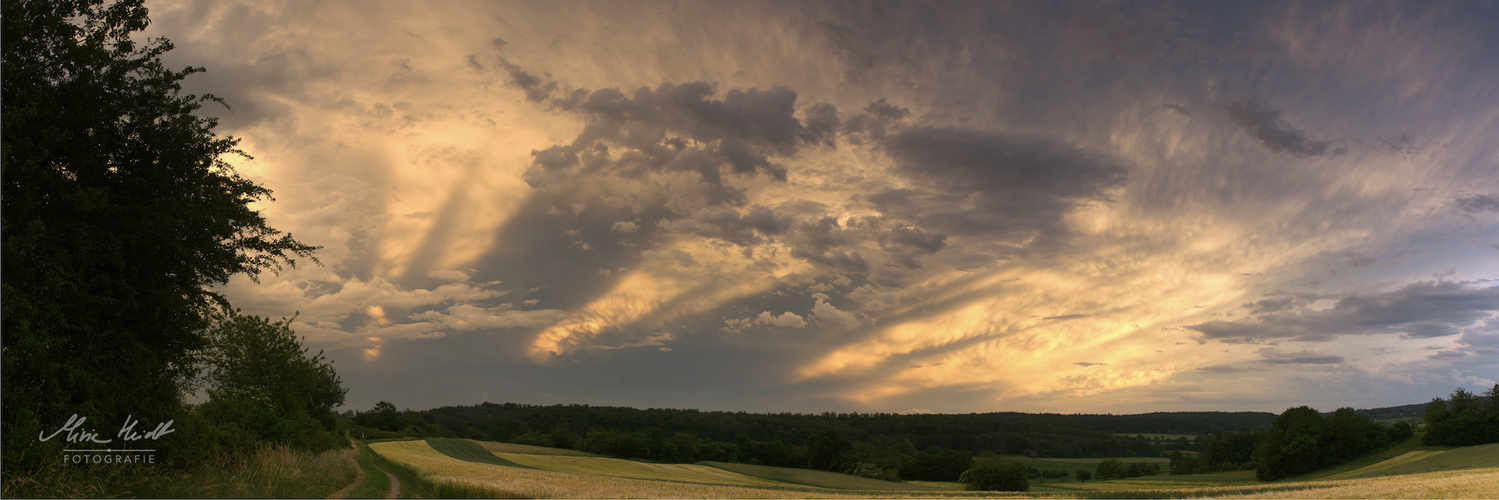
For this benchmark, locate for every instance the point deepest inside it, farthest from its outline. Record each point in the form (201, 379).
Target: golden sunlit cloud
(655, 296)
(833, 206)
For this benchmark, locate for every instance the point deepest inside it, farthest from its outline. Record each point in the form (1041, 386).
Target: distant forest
(1040, 435)
(945, 447)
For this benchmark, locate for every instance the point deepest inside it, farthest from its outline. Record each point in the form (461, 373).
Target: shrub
(1111, 469)
(991, 476)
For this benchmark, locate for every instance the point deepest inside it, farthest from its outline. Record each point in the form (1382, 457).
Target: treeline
(878, 445)
(1114, 469)
(1299, 441)
(1182, 422)
(1463, 420)
(1041, 435)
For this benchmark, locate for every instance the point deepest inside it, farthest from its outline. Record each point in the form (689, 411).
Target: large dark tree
(1293, 445)
(119, 212)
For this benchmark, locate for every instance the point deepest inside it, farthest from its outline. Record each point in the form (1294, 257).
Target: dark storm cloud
(1402, 143)
(917, 239)
(1271, 305)
(990, 183)
(1262, 121)
(887, 112)
(1475, 203)
(1418, 310)
(649, 137)
(680, 127)
(822, 122)
(1273, 356)
(1223, 369)
(1179, 109)
(818, 241)
(728, 224)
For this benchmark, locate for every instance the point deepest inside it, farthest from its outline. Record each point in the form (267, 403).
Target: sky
(1114, 207)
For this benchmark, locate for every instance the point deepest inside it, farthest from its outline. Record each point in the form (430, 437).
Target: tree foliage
(254, 362)
(996, 476)
(1302, 440)
(1292, 445)
(118, 213)
(1465, 419)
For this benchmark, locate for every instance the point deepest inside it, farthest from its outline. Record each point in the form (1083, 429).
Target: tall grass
(269, 472)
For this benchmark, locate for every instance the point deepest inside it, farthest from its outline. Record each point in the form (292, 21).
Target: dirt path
(358, 480)
(395, 484)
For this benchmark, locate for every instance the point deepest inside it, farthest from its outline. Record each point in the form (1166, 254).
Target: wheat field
(614, 467)
(594, 477)
(1471, 483)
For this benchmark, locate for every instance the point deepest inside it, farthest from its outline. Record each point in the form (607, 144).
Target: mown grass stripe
(820, 479)
(469, 451)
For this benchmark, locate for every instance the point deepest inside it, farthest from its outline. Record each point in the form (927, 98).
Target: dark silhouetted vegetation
(996, 476)
(1464, 419)
(882, 446)
(120, 213)
(1224, 452)
(1115, 469)
(1301, 441)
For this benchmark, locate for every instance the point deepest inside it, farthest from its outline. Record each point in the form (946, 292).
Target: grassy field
(526, 449)
(371, 483)
(275, 472)
(614, 467)
(479, 479)
(821, 479)
(467, 450)
(1070, 466)
(1428, 459)
(1407, 471)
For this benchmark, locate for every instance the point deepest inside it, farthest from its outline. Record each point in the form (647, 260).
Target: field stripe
(469, 451)
(821, 479)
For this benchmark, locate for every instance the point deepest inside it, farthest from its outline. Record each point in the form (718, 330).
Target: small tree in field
(1111, 469)
(991, 476)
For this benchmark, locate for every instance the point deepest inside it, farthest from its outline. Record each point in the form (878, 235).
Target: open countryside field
(1071, 466)
(483, 479)
(531, 450)
(614, 467)
(823, 479)
(1424, 473)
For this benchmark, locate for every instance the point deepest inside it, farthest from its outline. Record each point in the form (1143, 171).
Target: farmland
(453, 466)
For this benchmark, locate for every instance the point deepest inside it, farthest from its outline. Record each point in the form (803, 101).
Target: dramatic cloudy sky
(874, 206)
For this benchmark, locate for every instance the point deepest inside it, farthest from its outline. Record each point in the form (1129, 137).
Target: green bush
(874, 471)
(992, 476)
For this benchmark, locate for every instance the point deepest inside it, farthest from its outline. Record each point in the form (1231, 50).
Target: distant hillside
(1006, 433)
(1184, 422)
(1412, 413)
